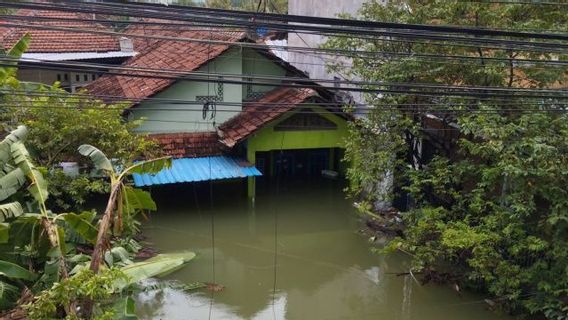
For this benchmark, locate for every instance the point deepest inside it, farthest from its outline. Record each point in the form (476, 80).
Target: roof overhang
(198, 169)
(71, 56)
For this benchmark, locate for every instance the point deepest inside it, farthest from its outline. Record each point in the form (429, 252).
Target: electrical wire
(91, 67)
(286, 18)
(331, 106)
(376, 87)
(345, 53)
(498, 44)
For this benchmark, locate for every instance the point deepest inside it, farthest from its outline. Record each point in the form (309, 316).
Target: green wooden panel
(268, 139)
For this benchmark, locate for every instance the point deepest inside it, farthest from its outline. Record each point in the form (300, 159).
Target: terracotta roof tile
(257, 114)
(189, 145)
(162, 54)
(58, 41)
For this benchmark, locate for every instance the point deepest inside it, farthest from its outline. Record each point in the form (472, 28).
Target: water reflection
(324, 269)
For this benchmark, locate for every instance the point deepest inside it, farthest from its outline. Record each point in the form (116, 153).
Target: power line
(385, 87)
(393, 107)
(497, 44)
(93, 67)
(336, 105)
(501, 102)
(346, 53)
(474, 31)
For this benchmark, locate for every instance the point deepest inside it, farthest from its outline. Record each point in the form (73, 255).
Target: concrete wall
(70, 81)
(256, 64)
(313, 63)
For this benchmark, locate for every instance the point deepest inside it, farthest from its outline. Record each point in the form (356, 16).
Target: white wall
(313, 63)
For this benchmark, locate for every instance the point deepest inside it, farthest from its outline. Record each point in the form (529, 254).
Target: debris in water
(215, 287)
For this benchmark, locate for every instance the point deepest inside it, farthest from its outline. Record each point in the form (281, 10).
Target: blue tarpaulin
(198, 169)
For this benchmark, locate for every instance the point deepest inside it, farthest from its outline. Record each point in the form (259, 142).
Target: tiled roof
(189, 145)
(182, 56)
(257, 114)
(44, 40)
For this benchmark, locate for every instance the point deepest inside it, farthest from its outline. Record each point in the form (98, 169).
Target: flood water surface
(324, 267)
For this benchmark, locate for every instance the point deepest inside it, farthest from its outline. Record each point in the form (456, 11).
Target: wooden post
(331, 164)
(251, 183)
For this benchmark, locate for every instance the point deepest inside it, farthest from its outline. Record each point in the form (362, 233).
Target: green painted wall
(268, 139)
(256, 64)
(191, 121)
(234, 61)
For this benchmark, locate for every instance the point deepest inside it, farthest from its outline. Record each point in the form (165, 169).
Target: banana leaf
(9, 294)
(160, 265)
(97, 156)
(6, 145)
(11, 182)
(15, 52)
(10, 210)
(4, 232)
(138, 199)
(13, 271)
(38, 186)
(124, 309)
(81, 225)
(150, 166)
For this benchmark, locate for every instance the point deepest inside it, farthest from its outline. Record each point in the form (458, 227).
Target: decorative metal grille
(307, 119)
(216, 98)
(251, 94)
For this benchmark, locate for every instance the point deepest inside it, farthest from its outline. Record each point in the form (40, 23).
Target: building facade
(237, 116)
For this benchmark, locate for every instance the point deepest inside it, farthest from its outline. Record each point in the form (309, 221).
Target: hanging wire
(211, 206)
(275, 260)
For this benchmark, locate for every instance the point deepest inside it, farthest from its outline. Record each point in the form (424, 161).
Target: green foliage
(491, 203)
(8, 295)
(14, 271)
(71, 193)
(110, 288)
(60, 122)
(128, 201)
(10, 210)
(81, 224)
(85, 284)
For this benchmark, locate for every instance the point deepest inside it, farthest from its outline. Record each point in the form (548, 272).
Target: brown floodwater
(325, 268)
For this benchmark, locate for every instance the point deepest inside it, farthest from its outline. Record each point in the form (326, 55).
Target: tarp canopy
(198, 169)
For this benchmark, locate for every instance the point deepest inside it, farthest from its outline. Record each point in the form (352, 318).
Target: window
(93, 77)
(66, 77)
(86, 77)
(77, 78)
(59, 77)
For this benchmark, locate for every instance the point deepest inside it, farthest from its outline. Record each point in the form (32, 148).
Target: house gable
(165, 116)
(270, 138)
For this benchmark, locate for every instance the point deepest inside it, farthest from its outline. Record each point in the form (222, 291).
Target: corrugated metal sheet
(198, 169)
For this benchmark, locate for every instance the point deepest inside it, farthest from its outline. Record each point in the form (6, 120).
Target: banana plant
(7, 74)
(123, 199)
(17, 170)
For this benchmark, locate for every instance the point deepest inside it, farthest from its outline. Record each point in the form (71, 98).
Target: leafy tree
(59, 123)
(489, 187)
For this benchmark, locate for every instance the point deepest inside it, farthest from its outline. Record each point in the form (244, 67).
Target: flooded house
(225, 107)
